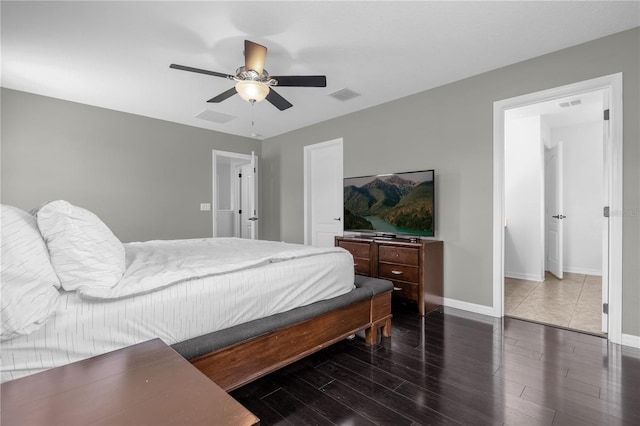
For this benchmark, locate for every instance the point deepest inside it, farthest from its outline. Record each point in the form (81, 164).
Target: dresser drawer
(394, 271)
(355, 248)
(405, 290)
(395, 254)
(362, 266)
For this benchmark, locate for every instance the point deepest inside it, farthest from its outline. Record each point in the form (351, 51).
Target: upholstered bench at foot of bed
(240, 354)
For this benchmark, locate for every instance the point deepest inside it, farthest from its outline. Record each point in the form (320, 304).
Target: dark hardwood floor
(456, 368)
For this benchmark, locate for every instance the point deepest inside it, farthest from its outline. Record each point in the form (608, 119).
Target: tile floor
(573, 302)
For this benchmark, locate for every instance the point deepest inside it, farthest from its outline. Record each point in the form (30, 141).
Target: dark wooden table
(147, 383)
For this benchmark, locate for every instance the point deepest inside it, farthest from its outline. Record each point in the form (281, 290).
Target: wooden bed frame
(239, 364)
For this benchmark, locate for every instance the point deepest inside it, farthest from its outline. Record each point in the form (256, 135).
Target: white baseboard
(519, 276)
(630, 340)
(466, 306)
(567, 269)
(585, 271)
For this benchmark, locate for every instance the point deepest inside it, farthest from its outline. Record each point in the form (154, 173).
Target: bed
(237, 309)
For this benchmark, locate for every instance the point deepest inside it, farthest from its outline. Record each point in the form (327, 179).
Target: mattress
(84, 328)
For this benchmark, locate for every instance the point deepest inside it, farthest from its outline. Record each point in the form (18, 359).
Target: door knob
(336, 218)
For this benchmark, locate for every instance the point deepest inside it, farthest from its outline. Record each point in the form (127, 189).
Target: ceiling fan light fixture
(253, 82)
(252, 91)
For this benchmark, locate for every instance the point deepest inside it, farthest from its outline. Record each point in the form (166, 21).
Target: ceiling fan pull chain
(253, 113)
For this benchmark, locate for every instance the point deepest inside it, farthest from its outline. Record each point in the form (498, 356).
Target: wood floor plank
(457, 361)
(455, 392)
(294, 410)
(627, 397)
(266, 414)
(330, 408)
(535, 344)
(477, 381)
(367, 370)
(539, 381)
(415, 410)
(599, 377)
(547, 367)
(590, 403)
(455, 367)
(364, 405)
(588, 415)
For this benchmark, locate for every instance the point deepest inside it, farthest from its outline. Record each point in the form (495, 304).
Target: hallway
(574, 302)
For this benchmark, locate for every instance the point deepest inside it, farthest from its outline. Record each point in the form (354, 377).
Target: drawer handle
(397, 288)
(396, 272)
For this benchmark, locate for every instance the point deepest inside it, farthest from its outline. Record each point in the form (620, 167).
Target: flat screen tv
(397, 203)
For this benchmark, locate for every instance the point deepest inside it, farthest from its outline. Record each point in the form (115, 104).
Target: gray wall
(144, 178)
(450, 129)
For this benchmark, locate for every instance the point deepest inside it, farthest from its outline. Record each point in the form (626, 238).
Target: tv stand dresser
(414, 266)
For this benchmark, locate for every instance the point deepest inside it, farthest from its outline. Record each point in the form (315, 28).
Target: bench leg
(371, 335)
(386, 328)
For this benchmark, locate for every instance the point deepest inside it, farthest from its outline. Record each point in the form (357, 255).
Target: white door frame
(253, 201)
(308, 149)
(613, 85)
(237, 197)
(214, 157)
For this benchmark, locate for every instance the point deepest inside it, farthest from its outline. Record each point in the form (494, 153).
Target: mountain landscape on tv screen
(390, 204)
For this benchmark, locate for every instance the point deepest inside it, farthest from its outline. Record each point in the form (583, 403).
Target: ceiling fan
(253, 82)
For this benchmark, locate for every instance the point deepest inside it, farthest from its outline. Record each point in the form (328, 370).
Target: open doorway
(554, 197)
(611, 267)
(235, 198)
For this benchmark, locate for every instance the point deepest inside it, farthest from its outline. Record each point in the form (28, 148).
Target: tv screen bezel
(400, 234)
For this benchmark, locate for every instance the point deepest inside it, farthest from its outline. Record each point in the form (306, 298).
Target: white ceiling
(116, 55)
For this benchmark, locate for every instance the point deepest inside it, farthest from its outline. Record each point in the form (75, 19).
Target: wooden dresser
(415, 267)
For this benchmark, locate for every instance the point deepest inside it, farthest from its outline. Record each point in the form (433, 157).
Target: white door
(323, 188)
(554, 210)
(243, 194)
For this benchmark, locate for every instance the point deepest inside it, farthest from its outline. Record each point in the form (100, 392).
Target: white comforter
(178, 311)
(154, 265)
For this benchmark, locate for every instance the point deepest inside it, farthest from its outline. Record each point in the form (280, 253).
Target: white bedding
(153, 265)
(188, 308)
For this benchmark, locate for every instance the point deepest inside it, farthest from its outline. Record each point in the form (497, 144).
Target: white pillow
(29, 294)
(83, 250)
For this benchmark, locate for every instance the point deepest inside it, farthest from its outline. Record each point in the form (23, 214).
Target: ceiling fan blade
(198, 70)
(278, 101)
(254, 56)
(224, 95)
(301, 80)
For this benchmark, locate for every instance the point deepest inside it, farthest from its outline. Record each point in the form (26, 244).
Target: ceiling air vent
(344, 94)
(215, 117)
(567, 104)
